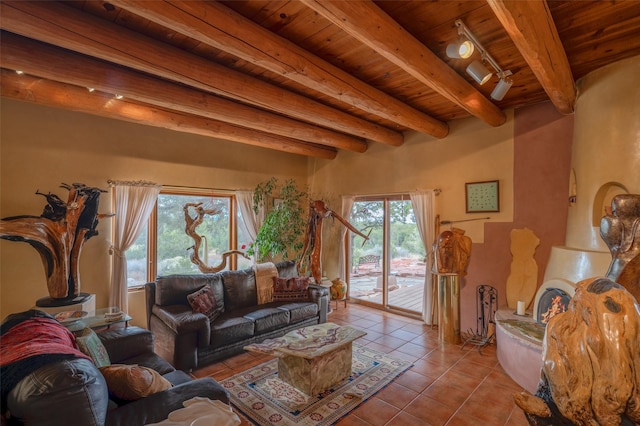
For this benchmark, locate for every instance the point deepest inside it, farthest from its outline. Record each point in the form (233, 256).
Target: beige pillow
(131, 382)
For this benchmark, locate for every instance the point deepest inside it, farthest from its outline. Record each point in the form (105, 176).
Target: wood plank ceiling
(309, 77)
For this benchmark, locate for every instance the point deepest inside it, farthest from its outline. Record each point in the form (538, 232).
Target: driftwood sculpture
(452, 251)
(620, 230)
(591, 361)
(59, 234)
(190, 229)
(591, 352)
(313, 237)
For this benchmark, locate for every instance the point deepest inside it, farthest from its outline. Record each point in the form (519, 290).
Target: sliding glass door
(388, 270)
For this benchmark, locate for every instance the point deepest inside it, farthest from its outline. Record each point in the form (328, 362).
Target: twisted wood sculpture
(194, 250)
(313, 237)
(59, 234)
(620, 230)
(591, 352)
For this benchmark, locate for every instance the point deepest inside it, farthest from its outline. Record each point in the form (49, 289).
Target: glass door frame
(386, 199)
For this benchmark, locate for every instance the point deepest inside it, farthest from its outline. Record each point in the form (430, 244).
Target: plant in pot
(281, 233)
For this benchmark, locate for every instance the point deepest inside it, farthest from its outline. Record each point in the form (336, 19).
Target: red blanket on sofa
(28, 341)
(37, 336)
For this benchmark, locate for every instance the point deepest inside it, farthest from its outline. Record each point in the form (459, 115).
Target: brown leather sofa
(55, 389)
(188, 340)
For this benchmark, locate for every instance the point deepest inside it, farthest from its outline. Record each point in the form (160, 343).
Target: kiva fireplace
(552, 298)
(520, 354)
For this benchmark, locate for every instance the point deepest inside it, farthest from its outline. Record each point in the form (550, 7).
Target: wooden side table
(344, 299)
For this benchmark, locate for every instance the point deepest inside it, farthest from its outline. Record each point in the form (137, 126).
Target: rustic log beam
(62, 95)
(374, 28)
(230, 32)
(64, 26)
(57, 64)
(532, 29)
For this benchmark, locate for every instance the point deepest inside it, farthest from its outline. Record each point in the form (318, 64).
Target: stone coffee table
(312, 359)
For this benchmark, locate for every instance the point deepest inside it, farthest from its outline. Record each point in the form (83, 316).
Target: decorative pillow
(90, 344)
(290, 289)
(205, 302)
(131, 382)
(301, 283)
(280, 284)
(295, 284)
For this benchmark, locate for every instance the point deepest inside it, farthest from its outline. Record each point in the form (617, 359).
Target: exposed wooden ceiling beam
(56, 64)
(230, 32)
(74, 98)
(531, 27)
(365, 21)
(67, 27)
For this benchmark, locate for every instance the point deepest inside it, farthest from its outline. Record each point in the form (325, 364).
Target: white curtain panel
(252, 221)
(134, 202)
(345, 213)
(423, 209)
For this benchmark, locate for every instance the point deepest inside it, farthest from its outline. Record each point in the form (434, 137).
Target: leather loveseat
(65, 389)
(189, 340)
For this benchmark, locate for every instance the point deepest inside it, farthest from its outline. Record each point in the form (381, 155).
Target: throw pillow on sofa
(131, 382)
(290, 289)
(293, 284)
(90, 344)
(205, 302)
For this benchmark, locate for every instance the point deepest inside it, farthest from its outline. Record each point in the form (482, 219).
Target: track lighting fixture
(465, 47)
(501, 89)
(479, 72)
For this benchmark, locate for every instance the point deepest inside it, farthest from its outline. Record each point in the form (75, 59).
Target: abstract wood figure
(452, 251)
(591, 352)
(591, 361)
(59, 234)
(620, 230)
(190, 229)
(523, 279)
(313, 237)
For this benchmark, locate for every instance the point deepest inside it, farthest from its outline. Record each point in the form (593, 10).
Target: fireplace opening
(552, 302)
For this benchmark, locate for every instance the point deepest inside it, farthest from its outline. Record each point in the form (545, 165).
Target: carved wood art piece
(452, 251)
(194, 251)
(591, 352)
(620, 230)
(312, 248)
(58, 235)
(522, 282)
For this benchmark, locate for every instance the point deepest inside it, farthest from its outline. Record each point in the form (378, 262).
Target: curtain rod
(436, 191)
(179, 187)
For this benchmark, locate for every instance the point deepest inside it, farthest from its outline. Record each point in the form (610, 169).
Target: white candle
(520, 310)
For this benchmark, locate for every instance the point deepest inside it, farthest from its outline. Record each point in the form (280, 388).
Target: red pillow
(205, 302)
(301, 283)
(290, 289)
(294, 284)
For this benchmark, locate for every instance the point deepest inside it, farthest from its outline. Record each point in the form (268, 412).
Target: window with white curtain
(163, 247)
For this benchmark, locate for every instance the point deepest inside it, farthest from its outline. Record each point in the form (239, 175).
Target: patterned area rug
(264, 399)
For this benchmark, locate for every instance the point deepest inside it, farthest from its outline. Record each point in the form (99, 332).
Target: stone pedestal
(314, 376)
(449, 308)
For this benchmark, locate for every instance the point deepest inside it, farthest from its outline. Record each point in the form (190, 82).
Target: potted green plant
(281, 233)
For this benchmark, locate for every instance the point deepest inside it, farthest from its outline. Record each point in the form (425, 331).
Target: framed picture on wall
(482, 196)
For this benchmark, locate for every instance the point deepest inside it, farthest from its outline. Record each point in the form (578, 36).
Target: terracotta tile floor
(447, 385)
